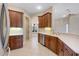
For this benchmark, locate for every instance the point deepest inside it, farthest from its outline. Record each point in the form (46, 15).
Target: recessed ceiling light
(39, 7)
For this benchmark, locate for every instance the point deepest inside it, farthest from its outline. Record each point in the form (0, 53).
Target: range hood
(4, 29)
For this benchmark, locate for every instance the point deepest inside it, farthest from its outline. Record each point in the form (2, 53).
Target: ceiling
(59, 8)
(30, 8)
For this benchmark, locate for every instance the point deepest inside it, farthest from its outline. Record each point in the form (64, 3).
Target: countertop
(70, 40)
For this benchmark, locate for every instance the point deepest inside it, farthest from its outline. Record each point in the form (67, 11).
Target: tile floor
(32, 48)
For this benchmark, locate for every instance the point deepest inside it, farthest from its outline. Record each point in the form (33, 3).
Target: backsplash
(16, 31)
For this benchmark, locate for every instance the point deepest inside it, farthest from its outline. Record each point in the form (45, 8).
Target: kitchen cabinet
(48, 19)
(45, 20)
(53, 44)
(47, 41)
(40, 21)
(60, 46)
(16, 18)
(16, 42)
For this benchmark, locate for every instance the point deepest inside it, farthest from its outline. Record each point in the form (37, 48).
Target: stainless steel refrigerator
(4, 29)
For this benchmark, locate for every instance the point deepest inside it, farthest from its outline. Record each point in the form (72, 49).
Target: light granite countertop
(70, 40)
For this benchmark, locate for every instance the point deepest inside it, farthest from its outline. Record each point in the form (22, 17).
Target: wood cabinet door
(15, 42)
(19, 41)
(40, 21)
(60, 50)
(68, 51)
(12, 43)
(53, 44)
(16, 18)
(43, 22)
(46, 20)
(12, 18)
(49, 18)
(47, 41)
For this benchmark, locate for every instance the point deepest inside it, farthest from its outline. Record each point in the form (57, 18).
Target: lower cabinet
(47, 41)
(60, 46)
(57, 46)
(15, 42)
(53, 44)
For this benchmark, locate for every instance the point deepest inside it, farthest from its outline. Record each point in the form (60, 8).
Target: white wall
(59, 25)
(74, 24)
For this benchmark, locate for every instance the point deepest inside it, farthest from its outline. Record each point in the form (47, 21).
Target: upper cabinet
(16, 18)
(40, 21)
(45, 20)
